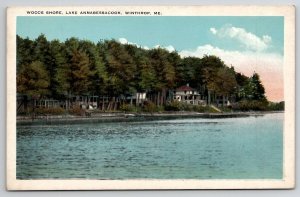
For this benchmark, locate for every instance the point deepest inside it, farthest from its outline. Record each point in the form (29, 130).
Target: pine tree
(33, 80)
(254, 89)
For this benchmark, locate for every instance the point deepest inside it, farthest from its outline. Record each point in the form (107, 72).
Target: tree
(225, 82)
(211, 65)
(189, 70)
(81, 67)
(73, 77)
(164, 70)
(33, 80)
(24, 51)
(121, 67)
(98, 76)
(80, 72)
(254, 89)
(58, 59)
(242, 82)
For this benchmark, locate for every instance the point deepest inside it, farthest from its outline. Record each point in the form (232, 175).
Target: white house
(189, 95)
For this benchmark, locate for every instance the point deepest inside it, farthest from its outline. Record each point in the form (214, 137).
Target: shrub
(129, 108)
(77, 110)
(180, 106)
(151, 107)
(173, 106)
(276, 106)
(50, 111)
(247, 105)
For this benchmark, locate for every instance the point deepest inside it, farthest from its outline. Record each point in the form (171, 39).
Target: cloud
(247, 39)
(169, 48)
(267, 39)
(268, 65)
(213, 30)
(125, 41)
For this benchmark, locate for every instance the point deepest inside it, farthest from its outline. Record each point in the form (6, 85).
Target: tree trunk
(108, 106)
(103, 104)
(116, 104)
(208, 100)
(162, 97)
(33, 109)
(137, 99)
(158, 98)
(131, 100)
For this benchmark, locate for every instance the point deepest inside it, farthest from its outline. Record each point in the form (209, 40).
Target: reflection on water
(248, 148)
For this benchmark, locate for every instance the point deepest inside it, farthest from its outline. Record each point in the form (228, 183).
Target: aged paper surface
(223, 31)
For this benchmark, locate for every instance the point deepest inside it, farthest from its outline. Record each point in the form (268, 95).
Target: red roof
(184, 88)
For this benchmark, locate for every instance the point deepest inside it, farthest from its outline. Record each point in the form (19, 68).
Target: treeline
(58, 70)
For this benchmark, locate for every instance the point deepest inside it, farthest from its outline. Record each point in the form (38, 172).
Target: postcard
(150, 97)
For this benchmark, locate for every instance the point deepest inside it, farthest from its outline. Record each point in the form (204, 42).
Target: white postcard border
(288, 180)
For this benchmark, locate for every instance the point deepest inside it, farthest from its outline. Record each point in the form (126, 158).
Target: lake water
(232, 148)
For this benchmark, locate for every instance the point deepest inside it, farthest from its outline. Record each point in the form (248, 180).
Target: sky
(249, 44)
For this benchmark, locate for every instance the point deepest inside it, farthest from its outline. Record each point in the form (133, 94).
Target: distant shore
(130, 117)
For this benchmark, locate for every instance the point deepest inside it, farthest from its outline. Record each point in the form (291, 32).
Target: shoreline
(106, 117)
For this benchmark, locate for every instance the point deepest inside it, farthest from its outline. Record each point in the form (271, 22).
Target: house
(138, 98)
(86, 101)
(25, 102)
(46, 103)
(189, 95)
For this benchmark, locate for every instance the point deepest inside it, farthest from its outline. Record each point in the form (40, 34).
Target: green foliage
(253, 89)
(151, 107)
(80, 72)
(24, 52)
(33, 80)
(73, 77)
(173, 106)
(50, 111)
(163, 68)
(121, 67)
(129, 108)
(189, 70)
(247, 105)
(276, 106)
(59, 70)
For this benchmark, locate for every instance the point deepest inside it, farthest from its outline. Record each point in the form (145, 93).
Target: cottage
(189, 95)
(86, 101)
(47, 103)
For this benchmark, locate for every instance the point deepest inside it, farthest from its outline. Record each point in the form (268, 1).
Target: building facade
(189, 95)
